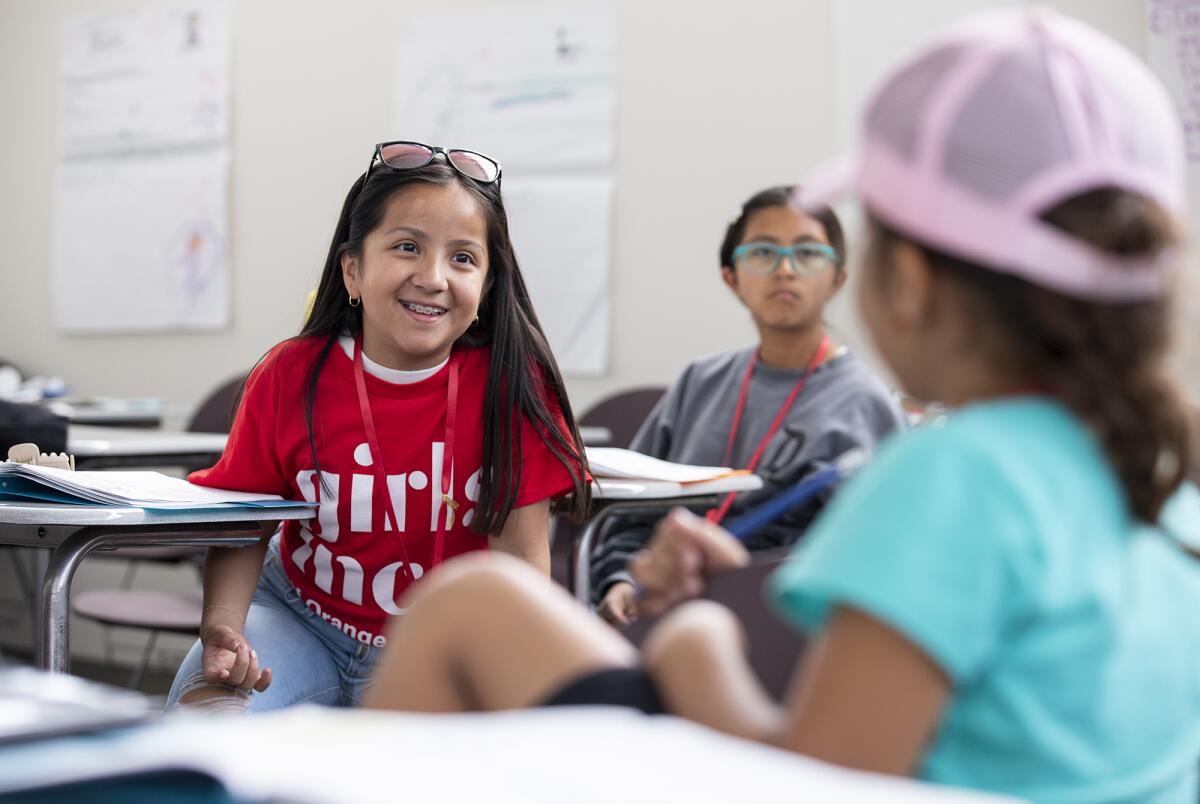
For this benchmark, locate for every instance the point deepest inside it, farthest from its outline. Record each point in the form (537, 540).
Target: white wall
(715, 100)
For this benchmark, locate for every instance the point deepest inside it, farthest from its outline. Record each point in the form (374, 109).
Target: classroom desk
(118, 447)
(595, 436)
(612, 497)
(73, 531)
(110, 412)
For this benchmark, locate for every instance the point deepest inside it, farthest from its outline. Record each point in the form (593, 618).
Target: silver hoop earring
(354, 302)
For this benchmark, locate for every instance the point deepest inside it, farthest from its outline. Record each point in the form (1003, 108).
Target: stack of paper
(625, 473)
(20, 482)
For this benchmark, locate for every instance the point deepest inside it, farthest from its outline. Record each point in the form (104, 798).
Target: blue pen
(751, 521)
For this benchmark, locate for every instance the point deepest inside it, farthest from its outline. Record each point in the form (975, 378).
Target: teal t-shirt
(1000, 544)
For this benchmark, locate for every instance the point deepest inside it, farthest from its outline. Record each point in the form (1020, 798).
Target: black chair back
(215, 414)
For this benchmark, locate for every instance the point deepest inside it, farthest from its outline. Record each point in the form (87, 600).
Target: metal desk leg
(586, 542)
(56, 584)
(56, 589)
(40, 560)
(583, 556)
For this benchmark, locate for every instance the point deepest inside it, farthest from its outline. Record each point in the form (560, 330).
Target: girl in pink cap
(1006, 601)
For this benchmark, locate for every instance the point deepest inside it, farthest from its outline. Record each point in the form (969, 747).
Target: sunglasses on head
(405, 155)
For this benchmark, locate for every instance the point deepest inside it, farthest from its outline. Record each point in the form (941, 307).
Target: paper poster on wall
(141, 214)
(564, 261)
(535, 88)
(1173, 52)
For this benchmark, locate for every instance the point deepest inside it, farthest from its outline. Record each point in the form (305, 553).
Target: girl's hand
(683, 552)
(619, 605)
(228, 659)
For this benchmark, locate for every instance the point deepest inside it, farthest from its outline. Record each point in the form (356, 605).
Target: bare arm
(864, 697)
(526, 535)
(230, 577)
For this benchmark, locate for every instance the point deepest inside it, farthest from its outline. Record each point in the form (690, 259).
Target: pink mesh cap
(1004, 116)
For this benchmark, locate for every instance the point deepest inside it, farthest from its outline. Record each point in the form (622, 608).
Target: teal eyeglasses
(762, 259)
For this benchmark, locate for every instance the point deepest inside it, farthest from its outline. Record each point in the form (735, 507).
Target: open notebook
(618, 470)
(21, 482)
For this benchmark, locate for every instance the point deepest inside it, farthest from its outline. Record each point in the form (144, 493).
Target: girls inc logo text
(317, 558)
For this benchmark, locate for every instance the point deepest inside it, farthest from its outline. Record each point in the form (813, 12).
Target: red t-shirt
(345, 561)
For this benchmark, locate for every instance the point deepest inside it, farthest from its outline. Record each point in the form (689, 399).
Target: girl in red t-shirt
(420, 408)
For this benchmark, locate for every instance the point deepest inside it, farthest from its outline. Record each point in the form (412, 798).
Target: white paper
(533, 87)
(141, 221)
(560, 230)
(624, 463)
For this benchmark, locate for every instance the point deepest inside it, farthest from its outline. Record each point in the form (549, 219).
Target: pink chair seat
(159, 611)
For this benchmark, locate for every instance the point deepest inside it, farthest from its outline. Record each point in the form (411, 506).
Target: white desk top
(595, 436)
(86, 441)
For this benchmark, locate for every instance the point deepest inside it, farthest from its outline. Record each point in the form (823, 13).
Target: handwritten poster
(1173, 52)
(535, 89)
(141, 220)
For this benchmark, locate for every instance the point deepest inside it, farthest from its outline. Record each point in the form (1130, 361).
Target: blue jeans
(310, 660)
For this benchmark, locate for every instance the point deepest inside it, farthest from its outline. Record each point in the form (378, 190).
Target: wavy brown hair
(1103, 361)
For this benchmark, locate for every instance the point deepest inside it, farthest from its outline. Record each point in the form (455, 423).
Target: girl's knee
(475, 574)
(691, 632)
(460, 587)
(198, 696)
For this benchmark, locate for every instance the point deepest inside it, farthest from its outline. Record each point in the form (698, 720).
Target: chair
(774, 647)
(153, 611)
(622, 414)
(215, 413)
(156, 612)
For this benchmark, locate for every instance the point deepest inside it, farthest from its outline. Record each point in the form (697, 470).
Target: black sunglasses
(405, 155)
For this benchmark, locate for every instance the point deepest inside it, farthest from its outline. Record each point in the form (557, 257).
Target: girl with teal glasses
(784, 408)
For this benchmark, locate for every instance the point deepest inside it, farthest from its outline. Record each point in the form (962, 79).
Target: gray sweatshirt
(843, 406)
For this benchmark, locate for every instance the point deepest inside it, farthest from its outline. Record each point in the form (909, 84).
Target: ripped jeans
(310, 660)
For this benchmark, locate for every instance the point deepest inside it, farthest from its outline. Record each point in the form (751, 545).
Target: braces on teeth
(421, 308)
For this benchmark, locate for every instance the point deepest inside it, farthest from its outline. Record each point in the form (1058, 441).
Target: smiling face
(421, 275)
(784, 300)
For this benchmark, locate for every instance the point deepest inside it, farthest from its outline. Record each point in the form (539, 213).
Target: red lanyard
(715, 515)
(381, 486)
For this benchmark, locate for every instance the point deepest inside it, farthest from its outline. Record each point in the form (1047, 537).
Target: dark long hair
(522, 368)
(1105, 362)
(781, 197)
